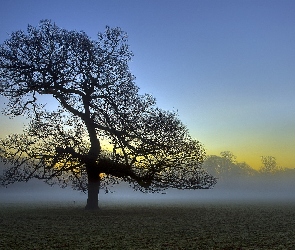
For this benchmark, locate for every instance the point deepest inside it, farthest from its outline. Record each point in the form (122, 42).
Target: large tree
(97, 104)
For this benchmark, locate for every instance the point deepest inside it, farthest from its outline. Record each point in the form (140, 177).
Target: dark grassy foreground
(240, 226)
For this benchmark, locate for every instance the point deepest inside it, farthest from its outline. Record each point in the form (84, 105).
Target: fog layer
(234, 191)
(237, 182)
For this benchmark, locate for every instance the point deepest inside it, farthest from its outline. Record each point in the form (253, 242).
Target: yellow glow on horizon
(249, 144)
(252, 156)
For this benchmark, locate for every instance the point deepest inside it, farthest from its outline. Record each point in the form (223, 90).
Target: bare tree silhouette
(98, 101)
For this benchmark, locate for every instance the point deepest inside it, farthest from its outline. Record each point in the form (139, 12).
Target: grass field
(170, 226)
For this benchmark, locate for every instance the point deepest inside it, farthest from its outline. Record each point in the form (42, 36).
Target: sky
(227, 67)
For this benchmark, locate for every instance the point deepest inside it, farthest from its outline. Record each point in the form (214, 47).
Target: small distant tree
(98, 102)
(228, 155)
(226, 167)
(219, 166)
(269, 165)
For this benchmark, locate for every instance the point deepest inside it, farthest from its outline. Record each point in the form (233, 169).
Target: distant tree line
(226, 166)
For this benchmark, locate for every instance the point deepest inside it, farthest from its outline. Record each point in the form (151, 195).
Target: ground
(223, 225)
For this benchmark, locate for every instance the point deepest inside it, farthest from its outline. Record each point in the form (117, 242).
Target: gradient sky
(226, 66)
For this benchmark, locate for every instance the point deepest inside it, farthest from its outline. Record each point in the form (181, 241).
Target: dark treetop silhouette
(98, 101)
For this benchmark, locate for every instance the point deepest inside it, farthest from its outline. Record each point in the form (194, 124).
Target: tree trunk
(93, 191)
(91, 164)
(93, 186)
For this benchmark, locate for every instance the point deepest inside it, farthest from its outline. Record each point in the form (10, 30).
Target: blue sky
(226, 66)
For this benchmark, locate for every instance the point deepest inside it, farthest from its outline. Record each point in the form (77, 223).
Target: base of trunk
(91, 206)
(93, 191)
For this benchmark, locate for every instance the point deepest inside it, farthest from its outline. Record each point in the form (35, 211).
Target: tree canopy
(98, 103)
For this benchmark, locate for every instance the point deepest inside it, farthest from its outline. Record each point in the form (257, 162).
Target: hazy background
(230, 192)
(237, 182)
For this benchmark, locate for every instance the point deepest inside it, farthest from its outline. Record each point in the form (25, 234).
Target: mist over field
(257, 189)
(236, 182)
